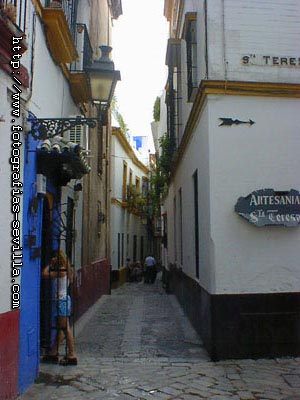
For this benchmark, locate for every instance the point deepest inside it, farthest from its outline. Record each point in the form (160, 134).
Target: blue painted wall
(29, 346)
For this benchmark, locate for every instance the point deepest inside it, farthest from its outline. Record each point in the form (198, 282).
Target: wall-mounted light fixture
(103, 79)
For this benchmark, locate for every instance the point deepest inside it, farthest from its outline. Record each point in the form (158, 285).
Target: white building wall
(124, 221)
(256, 29)
(249, 259)
(51, 94)
(6, 218)
(84, 12)
(236, 256)
(196, 158)
(238, 28)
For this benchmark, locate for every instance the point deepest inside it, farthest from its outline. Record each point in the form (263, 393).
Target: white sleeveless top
(60, 287)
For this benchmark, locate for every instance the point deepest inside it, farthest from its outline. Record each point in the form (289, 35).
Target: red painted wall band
(9, 354)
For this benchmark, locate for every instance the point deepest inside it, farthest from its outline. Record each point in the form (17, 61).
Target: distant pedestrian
(150, 269)
(135, 272)
(60, 273)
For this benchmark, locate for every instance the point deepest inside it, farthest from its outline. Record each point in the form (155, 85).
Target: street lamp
(103, 78)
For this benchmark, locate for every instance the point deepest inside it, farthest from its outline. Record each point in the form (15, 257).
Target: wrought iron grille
(173, 120)
(58, 227)
(191, 49)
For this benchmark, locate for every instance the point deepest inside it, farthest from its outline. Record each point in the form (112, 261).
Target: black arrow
(230, 121)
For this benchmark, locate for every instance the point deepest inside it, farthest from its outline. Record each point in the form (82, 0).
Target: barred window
(191, 55)
(174, 92)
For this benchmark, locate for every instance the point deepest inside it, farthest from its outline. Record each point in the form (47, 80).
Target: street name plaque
(269, 207)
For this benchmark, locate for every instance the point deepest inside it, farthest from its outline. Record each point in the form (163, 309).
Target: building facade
(232, 210)
(129, 188)
(45, 49)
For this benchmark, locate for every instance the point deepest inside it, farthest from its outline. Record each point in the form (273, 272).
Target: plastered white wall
(123, 221)
(195, 158)
(126, 223)
(249, 259)
(51, 94)
(237, 28)
(236, 256)
(6, 216)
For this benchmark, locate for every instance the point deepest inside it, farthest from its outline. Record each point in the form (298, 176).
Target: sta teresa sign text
(270, 207)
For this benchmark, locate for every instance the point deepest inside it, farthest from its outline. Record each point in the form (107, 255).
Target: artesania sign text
(269, 207)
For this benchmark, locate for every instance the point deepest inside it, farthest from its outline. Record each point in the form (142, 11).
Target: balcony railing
(15, 10)
(59, 18)
(70, 10)
(84, 49)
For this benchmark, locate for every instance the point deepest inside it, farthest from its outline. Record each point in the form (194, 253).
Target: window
(122, 249)
(138, 184)
(79, 134)
(180, 227)
(124, 188)
(142, 249)
(175, 228)
(196, 221)
(144, 187)
(119, 250)
(165, 231)
(174, 90)
(190, 35)
(127, 246)
(134, 248)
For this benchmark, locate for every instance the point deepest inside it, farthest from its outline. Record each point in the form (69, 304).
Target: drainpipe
(206, 39)
(224, 40)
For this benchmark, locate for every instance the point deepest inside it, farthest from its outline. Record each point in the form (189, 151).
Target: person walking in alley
(59, 271)
(150, 269)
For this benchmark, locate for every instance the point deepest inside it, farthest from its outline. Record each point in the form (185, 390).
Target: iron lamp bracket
(46, 128)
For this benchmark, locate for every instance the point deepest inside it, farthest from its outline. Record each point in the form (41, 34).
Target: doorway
(45, 288)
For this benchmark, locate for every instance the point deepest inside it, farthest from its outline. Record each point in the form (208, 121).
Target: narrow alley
(137, 344)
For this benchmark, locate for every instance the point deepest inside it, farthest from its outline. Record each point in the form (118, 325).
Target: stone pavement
(138, 344)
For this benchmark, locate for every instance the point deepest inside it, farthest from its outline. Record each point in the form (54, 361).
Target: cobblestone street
(137, 344)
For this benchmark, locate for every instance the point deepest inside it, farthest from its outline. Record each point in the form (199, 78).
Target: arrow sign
(230, 121)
